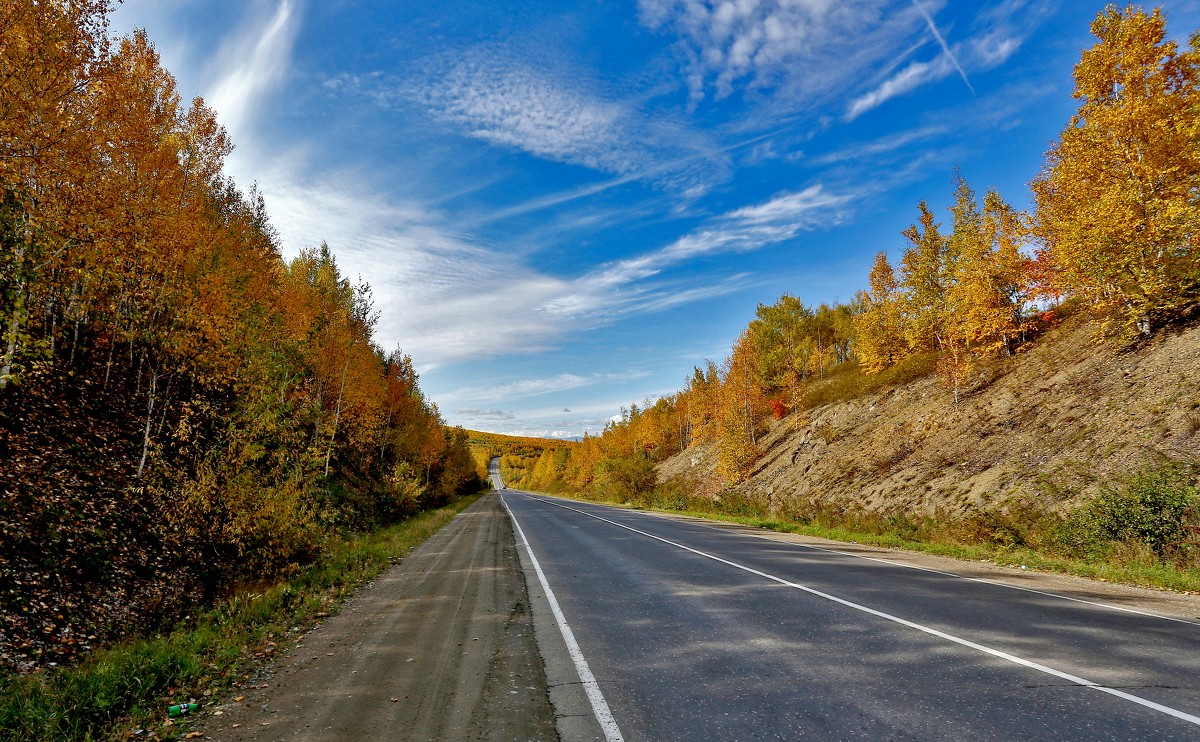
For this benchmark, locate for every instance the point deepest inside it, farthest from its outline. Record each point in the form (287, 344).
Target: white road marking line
(769, 537)
(1182, 715)
(612, 733)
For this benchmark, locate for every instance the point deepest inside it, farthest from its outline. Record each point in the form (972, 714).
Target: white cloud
(994, 49)
(552, 112)
(444, 296)
(526, 388)
(983, 52)
(910, 78)
(807, 49)
(933, 29)
(882, 146)
(742, 230)
(252, 64)
(801, 54)
(524, 108)
(1001, 31)
(494, 416)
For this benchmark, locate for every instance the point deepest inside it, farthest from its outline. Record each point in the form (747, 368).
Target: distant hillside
(1045, 428)
(519, 456)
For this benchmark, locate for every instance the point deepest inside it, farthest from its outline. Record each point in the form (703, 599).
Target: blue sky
(562, 207)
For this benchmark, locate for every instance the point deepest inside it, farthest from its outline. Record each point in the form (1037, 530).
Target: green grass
(848, 381)
(130, 685)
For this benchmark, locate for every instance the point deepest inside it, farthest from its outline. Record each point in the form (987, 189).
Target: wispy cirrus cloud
(802, 54)
(805, 49)
(983, 53)
(906, 80)
(489, 415)
(525, 388)
(883, 145)
(252, 64)
(552, 113)
(749, 228)
(439, 289)
(1001, 31)
(513, 105)
(941, 40)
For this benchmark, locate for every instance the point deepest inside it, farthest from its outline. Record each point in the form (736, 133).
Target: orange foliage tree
(237, 406)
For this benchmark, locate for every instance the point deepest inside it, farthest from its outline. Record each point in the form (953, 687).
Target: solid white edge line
(983, 580)
(612, 733)
(1183, 715)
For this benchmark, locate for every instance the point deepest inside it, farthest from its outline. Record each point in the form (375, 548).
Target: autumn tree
(50, 55)
(1118, 198)
(783, 344)
(879, 325)
(925, 270)
(743, 408)
(237, 410)
(991, 281)
(701, 402)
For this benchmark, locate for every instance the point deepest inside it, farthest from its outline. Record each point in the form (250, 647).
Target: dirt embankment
(1046, 427)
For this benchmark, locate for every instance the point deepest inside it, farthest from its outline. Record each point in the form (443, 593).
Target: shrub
(1151, 507)
(403, 494)
(630, 477)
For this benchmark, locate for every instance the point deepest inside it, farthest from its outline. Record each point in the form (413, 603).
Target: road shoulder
(441, 646)
(573, 715)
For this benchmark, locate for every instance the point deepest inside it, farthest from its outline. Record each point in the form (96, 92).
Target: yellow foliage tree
(879, 324)
(742, 411)
(924, 273)
(1118, 199)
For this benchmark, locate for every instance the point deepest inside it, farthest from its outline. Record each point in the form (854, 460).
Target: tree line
(1114, 233)
(181, 408)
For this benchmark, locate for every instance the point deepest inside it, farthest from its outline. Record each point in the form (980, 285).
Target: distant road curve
(699, 633)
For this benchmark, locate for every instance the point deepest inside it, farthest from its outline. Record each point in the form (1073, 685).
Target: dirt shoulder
(440, 647)
(1183, 606)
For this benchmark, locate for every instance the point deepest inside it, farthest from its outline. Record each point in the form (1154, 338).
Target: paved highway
(687, 632)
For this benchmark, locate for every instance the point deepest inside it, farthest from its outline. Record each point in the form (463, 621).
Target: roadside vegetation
(182, 409)
(126, 689)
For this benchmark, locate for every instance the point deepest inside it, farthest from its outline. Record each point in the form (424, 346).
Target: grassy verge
(129, 686)
(1137, 568)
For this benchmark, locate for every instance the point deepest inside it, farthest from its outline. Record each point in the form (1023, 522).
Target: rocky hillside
(1045, 428)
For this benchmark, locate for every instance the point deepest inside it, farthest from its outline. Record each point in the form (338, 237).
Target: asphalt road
(698, 633)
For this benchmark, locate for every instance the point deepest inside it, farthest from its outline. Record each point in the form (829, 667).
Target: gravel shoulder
(440, 647)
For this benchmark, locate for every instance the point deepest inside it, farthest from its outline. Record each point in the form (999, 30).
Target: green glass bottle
(182, 709)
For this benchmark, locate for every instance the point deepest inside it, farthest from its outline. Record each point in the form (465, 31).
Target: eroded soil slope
(1047, 427)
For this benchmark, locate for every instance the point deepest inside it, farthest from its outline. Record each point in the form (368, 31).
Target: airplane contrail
(945, 47)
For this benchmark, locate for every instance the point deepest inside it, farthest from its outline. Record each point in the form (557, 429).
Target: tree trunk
(14, 325)
(337, 416)
(149, 420)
